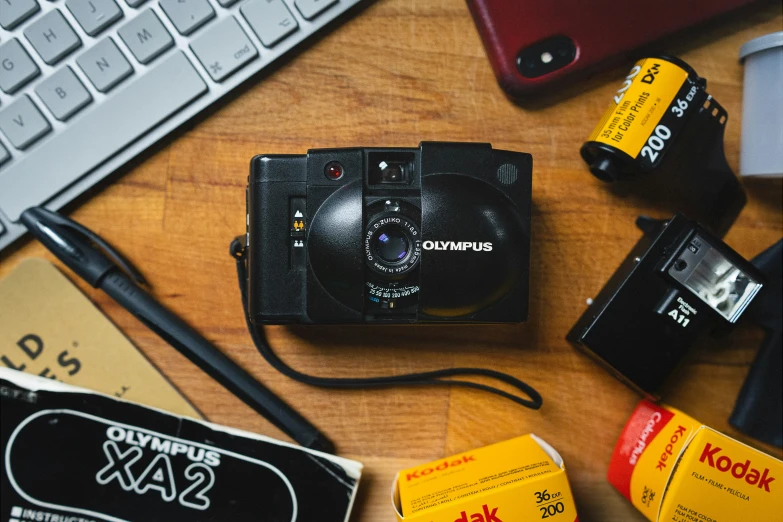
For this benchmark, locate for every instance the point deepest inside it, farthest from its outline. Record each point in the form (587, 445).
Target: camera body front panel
(435, 234)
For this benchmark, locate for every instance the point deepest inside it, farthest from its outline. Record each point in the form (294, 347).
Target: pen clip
(122, 263)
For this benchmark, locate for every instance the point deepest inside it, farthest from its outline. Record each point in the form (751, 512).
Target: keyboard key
(105, 65)
(135, 3)
(22, 123)
(226, 3)
(223, 49)
(4, 156)
(312, 8)
(52, 37)
(100, 134)
(16, 66)
(146, 37)
(14, 12)
(270, 19)
(94, 15)
(187, 15)
(63, 94)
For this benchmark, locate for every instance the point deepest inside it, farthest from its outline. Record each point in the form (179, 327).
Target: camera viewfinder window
(390, 168)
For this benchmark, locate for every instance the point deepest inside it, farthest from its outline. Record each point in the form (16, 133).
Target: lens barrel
(392, 244)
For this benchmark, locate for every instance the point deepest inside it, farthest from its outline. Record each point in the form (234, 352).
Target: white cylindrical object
(761, 151)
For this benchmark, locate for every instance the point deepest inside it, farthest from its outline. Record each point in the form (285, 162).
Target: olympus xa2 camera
(436, 234)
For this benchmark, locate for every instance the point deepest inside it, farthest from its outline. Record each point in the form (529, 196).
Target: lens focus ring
(392, 245)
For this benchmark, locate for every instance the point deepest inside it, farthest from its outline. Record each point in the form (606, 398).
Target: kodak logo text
(485, 516)
(723, 463)
(669, 449)
(446, 464)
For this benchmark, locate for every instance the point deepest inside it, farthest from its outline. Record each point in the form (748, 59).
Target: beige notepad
(49, 328)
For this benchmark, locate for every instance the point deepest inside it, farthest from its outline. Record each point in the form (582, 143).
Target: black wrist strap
(433, 378)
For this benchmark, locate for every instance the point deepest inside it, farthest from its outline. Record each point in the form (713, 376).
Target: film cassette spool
(662, 139)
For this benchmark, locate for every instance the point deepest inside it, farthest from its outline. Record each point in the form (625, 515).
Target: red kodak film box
(675, 469)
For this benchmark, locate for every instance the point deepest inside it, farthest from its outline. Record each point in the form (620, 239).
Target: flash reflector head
(715, 280)
(678, 283)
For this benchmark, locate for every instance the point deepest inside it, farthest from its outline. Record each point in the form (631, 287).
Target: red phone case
(602, 30)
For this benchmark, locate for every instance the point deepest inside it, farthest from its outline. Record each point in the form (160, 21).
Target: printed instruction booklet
(72, 455)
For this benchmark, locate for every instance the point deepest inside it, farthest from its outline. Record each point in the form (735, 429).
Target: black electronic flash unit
(661, 139)
(679, 282)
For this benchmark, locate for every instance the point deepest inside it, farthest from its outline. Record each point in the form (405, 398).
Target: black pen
(100, 265)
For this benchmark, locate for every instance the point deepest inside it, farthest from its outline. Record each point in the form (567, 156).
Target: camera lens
(391, 239)
(391, 244)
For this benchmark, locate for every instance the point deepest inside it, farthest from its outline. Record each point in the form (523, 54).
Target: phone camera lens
(391, 244)
(546, 56)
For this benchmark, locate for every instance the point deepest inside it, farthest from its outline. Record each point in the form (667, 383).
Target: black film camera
(435, 234)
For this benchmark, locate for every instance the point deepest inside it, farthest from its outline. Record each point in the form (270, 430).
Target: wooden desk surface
(399, 72)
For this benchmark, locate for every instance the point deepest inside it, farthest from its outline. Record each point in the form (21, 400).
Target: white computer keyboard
(86, 85)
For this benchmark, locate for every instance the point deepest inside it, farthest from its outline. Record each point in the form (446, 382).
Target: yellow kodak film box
(675, 469)
(519, 480)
